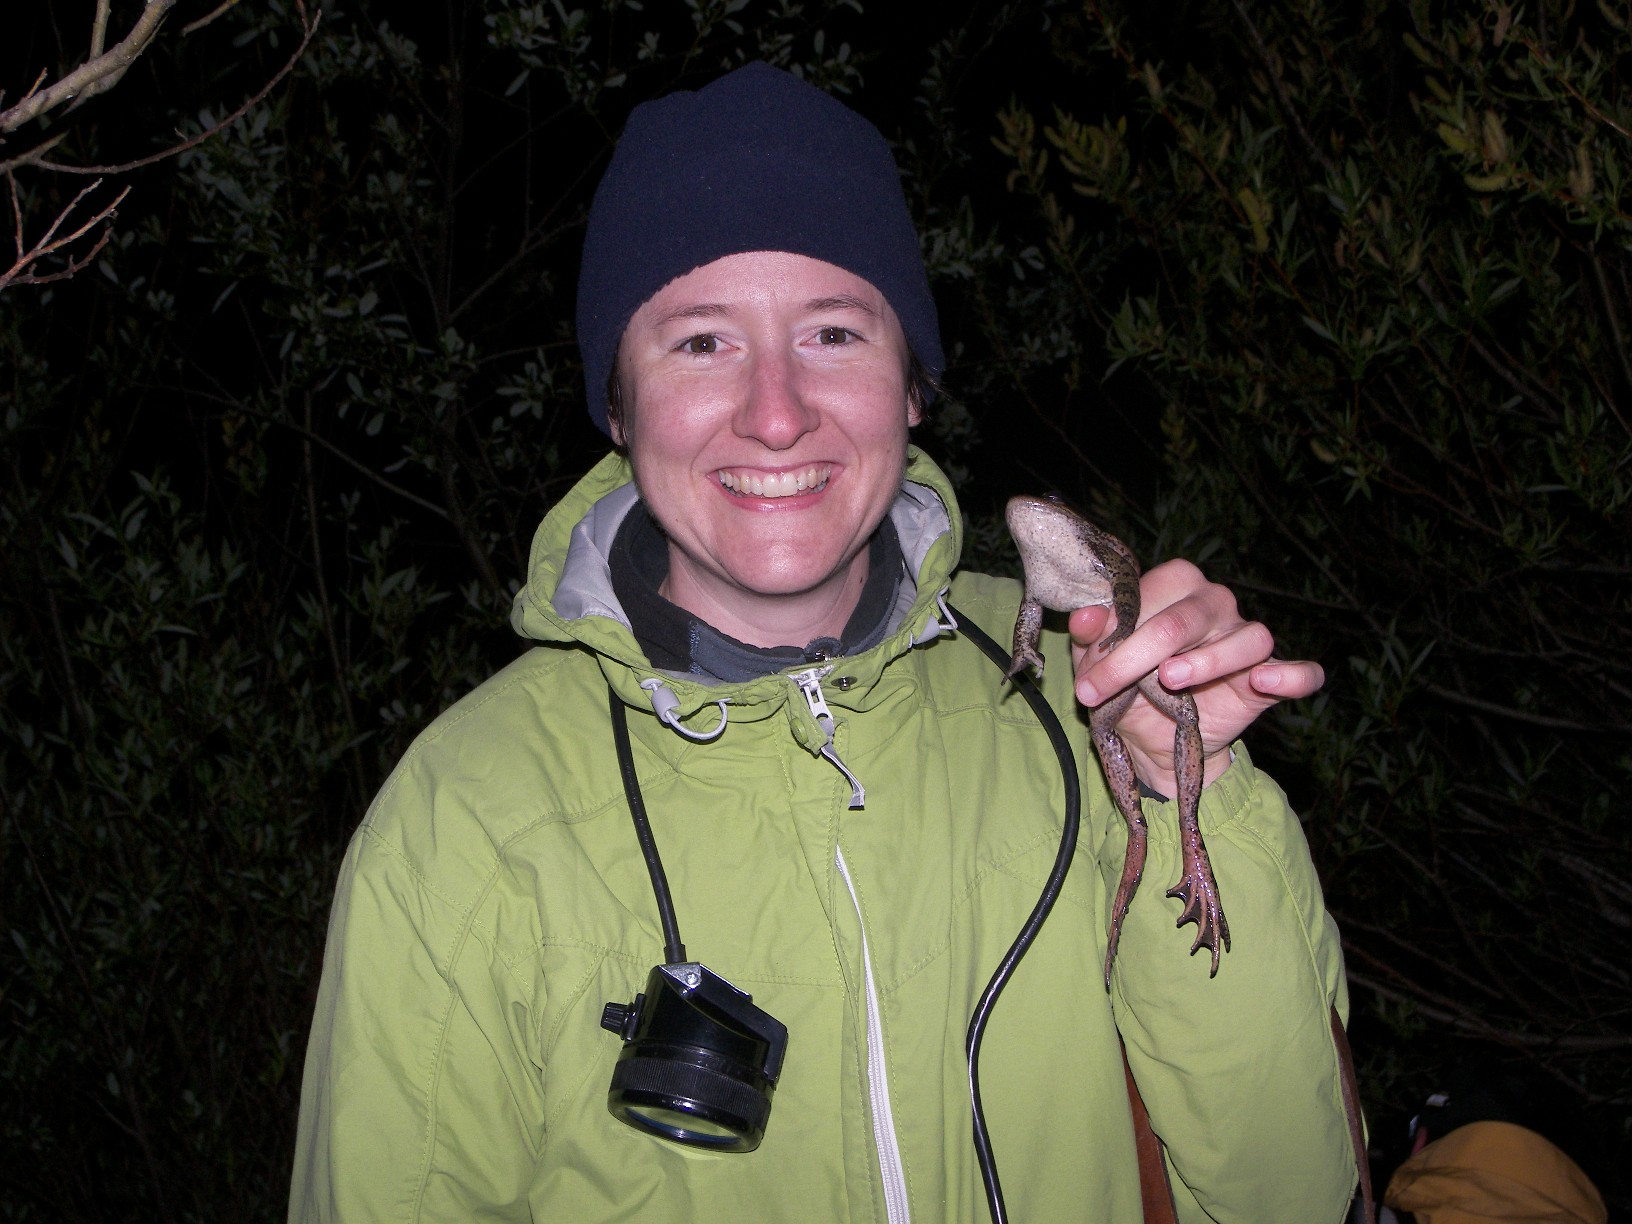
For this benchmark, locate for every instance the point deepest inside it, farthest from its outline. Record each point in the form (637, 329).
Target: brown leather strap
(1156, 1192)
(1154, 1189)
(1351, 1106)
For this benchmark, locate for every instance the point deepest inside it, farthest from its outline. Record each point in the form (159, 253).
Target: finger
(1170, 582)
(1288, 680)
(1088, 625)
(1201, 617)
(1237, 650)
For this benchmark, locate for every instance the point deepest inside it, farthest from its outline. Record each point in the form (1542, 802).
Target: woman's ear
(614, 408)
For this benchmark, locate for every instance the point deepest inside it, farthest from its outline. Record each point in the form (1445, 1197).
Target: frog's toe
(1023, 660)
(1199, 893)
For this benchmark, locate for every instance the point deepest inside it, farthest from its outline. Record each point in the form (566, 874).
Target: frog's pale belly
(1070, 564)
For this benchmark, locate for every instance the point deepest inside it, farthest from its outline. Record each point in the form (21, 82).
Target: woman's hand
(1192, 635)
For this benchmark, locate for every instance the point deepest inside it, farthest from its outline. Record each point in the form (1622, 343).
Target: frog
(1071, 563)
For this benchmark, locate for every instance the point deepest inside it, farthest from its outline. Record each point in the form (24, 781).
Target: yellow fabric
(1489, 1171)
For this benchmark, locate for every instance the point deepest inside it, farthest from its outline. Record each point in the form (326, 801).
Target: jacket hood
(568, 598)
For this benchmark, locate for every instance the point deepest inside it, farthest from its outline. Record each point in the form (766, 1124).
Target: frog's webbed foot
(1124, 788)
(1199, 892)
(1028, 625)
(1197, 888)
(1022, 660)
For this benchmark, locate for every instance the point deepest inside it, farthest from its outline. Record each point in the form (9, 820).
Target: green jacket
(494, 899)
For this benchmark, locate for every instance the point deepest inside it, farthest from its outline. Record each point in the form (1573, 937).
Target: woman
(854, 810)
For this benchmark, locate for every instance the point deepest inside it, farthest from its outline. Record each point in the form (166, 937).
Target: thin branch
(1569, 87)
(1447, 1011)
(32, 89)
(96, 74)
(99, 29)
(193, 141)
(323, 601)
(1517, 715)
(1272, 70)
(1613, 319)
(340, 454)
(33, 155)
(205, 20)
(21, 273)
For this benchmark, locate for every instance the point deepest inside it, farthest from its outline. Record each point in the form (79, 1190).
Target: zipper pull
(810, 687)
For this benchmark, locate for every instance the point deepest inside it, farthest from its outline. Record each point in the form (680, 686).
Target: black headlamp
(699, 1060)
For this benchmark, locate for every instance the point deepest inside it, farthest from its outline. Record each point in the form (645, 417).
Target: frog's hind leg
(1124, 788)
(1196, 887)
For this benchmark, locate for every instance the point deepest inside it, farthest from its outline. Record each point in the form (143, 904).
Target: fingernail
(1176, 673)
(1087, 693)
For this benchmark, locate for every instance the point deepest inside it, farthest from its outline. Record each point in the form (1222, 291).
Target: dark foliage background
(1334, 299)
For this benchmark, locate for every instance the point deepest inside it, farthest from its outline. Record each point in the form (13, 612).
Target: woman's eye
(706, 343)
(835, 335)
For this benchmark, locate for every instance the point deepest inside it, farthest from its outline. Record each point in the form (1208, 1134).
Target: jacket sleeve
(416, 1103)
(1239, 1071)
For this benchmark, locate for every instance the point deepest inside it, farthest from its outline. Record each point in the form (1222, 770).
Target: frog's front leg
(1028, 626)
(1196, 887)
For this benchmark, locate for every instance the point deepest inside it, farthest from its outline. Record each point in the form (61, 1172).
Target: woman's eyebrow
(700, 310)
(843, 301)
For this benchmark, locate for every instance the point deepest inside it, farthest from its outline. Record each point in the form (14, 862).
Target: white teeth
(776, 484)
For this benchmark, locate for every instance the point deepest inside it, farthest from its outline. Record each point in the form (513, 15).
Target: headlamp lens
(680, 1125)
(699, 1061)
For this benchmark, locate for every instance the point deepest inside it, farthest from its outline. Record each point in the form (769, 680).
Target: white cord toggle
(664, 705)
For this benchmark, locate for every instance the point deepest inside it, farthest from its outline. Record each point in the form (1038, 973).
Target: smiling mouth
(776, 484)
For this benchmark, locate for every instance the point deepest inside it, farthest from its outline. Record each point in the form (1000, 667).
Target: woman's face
(765, 413)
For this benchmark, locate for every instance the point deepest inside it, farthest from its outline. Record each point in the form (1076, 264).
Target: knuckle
(1262, 640)
(1174, 627)
(1181, 567)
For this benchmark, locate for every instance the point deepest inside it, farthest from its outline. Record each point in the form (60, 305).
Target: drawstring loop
(665, 704)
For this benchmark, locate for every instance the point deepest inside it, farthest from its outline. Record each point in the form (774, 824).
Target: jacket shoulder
(991, 600)
(509, 755)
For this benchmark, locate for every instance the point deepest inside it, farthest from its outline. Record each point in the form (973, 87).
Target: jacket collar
(569, 598)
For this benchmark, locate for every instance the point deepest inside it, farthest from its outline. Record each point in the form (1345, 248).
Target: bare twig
(209, 17)
(99, 29)
(1517, 715)
(99, 73)
(96, 75)
(22, 272)
(1392, 984)
(283, 422)
(32, 89)
(33, 154)
(192, 141)
(325, 604)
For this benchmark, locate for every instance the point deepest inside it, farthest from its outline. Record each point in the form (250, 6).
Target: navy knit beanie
(757, 160)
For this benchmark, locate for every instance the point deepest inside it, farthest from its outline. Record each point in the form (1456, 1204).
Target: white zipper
(890, 1171)
(809, 684)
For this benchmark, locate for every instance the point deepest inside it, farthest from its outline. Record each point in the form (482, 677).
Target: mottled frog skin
(1071, 564)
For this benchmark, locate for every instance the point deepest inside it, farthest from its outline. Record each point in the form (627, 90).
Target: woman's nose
(775, 410)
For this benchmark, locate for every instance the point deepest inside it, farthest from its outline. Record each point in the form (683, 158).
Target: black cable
(674, 952)
(1045, 903)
